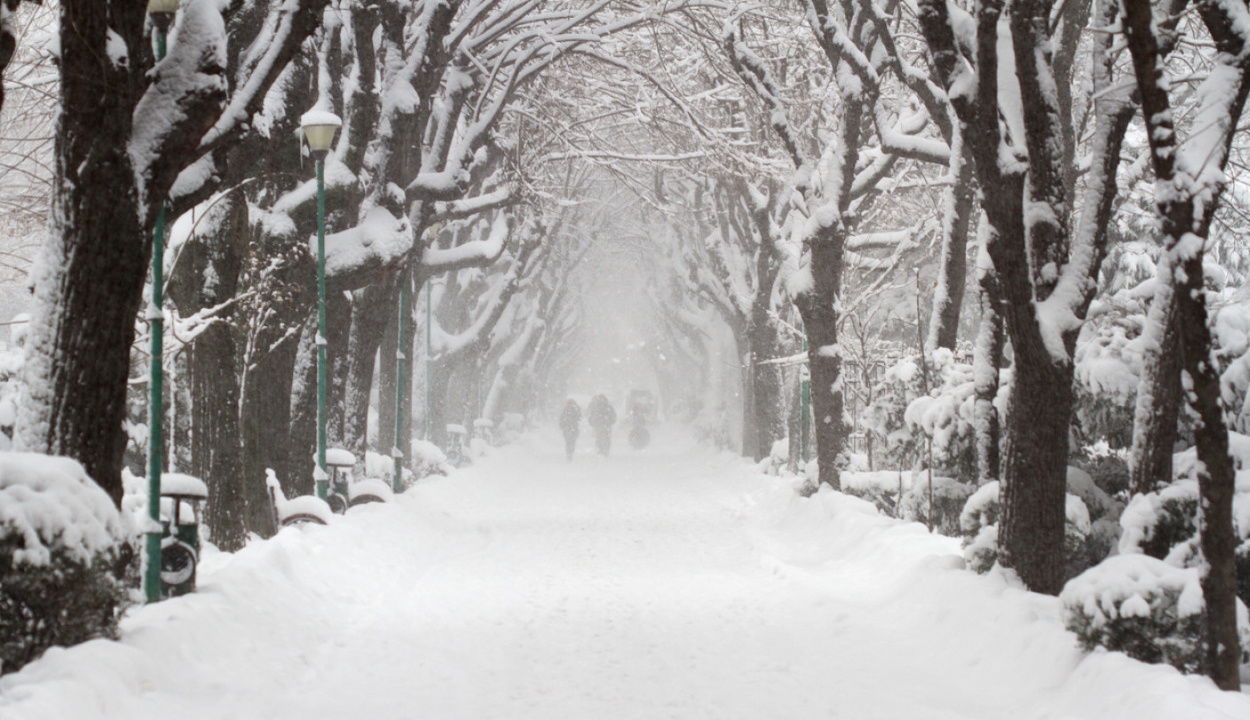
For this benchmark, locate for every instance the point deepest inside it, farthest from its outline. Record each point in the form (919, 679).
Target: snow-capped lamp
(319, 127)
(162, 13)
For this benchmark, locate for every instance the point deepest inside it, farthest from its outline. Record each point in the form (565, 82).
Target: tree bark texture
(387, 384)
(89, 275)
(8, 42)
(207, 275)
(267, 433)
(373, 310)
(303, 399)
(1158, 396)
(768, 409)
(820, 320)
(948, 297)
(1187, 198)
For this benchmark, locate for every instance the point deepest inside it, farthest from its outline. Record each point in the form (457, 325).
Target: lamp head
(319, 127)
(162, 12)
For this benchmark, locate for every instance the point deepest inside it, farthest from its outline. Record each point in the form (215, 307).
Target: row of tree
(791, 166)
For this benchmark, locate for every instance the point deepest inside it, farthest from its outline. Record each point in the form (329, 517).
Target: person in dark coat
(601, 416)
(570, 422)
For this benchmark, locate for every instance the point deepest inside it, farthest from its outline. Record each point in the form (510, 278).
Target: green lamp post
(401, 371)
(162, 14)
(805, 414)
(319, 127)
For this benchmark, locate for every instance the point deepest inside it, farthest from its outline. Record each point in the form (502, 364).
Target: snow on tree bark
(1190, 179)
(207, 275)
(89, 276)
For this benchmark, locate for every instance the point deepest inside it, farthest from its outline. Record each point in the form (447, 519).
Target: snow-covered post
(429, 346)
(401, 358)
(162, 14)
(319, 127)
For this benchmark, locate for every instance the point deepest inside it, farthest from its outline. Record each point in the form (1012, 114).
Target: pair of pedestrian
(601, 416)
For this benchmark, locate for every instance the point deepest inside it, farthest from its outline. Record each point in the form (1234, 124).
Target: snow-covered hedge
(1144, 607)
(63, 546)
(1141, 606)
(50, 503)
(949, 498)
(904, 419)
(882, 488)
(1087, 537)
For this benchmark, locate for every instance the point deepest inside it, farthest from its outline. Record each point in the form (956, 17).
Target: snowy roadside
(670, 583)
(957, 630)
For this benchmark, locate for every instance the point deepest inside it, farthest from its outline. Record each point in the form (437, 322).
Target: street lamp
(319, 127)
(162, 14)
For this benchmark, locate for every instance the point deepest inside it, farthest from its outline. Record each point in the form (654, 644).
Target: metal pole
(319, 475)
(805, 394)
(429, 314)
(401, 360)
(156, 411)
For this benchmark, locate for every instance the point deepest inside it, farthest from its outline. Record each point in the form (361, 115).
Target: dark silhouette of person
(601, 416)
(570, 422)
(639, 436)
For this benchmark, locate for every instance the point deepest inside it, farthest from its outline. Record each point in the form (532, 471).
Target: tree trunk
(1216, 481)
(1186, 202)
(8, 42)
(90, 272)
(216, 441)
(746, 383)
(387, 384)
(303, 400)
(1158, 396)
(820, 319)
(373, 310)
(948, 297)
(216, 444)
(1034, 473)
(768, 412)
(267, 434)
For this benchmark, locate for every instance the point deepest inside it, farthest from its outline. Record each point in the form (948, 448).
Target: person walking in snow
(601, 416)
(570, 422)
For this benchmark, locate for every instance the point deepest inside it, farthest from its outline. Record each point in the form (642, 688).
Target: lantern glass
(320, 137)
(319, 127)
(162, 6)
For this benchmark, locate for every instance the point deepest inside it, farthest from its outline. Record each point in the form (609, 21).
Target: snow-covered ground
(668, 583)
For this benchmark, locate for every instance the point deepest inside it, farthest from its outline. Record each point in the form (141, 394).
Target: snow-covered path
(671, 583)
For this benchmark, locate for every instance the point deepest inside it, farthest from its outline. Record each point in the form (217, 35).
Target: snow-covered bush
(893, 442)
(1108, 468)
(62, 547)
(1084, 541)
(1108, 365)
(882, 488)
(1141, 606)
(12, 360)
(382, 467)
(948, 501)
(978, 524)
(778, 459)
(903, 418)
(1232, 334)
(1162, 524)
(428, 459)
